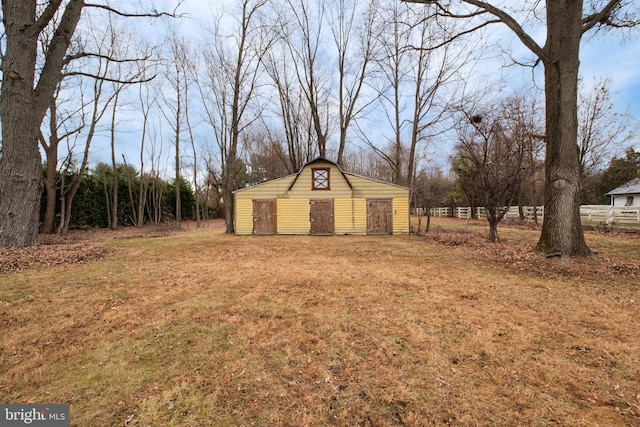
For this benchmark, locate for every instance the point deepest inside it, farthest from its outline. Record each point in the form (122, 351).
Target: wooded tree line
(254, 93)
(92, 203)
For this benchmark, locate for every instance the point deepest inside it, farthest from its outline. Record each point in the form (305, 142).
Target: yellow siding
(339, 186)
(269, 190)
(370, 189)
(401, 215)
(293, 216)
(350, 216)
(360, 213)
(244, 216)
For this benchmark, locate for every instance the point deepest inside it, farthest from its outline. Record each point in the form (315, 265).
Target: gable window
(320, 179)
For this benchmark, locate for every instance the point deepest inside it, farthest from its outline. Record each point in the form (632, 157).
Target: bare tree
(113, 212)
(25, 95)
(67, 195)
(107, 67)
(415, 96)
(293, 111)
(523, 116)
(355, 57)
(174, 106)
(156, 185)
(490, 156)
(60, 129)
(395, 68)
(436, 70)
(191, 67)
(566, 24)
(147, 99)
(603, 133)
(233, 74)
(304, 42)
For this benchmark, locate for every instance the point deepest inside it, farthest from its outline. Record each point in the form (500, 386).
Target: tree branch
(108, 79)
(79, 55)
(502, 16)
(458, 35)
(153, 14)
(604, 17)
(513, 26)
(46, 17)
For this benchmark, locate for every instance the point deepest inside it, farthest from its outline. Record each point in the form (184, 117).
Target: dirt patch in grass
(204, 329)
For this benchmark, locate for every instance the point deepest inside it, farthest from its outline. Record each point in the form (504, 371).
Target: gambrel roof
(318, 160)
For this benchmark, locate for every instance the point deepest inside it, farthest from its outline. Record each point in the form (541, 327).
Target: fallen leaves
(20, 259)
(81, 246)
(523, 257)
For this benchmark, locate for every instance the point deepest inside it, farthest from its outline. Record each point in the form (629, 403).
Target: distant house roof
(631, 187)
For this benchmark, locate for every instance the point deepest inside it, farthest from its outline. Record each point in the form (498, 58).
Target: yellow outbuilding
(321, 199)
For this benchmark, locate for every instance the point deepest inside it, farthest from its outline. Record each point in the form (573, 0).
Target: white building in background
(626, 195)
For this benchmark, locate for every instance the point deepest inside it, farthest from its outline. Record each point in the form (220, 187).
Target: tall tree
(292, 109)
(395, 68)
(22, 109)
(178, 65)
(602, 133)
(147, 99)
(233, 72)
(354, 34)
(304, 40)
(60, 128)
(567, 21)
(28, 84)
(435, 71)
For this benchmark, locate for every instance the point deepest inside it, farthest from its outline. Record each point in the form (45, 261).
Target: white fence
(602, 214)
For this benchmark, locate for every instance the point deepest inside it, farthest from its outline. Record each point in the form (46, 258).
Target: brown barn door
(265, 221)
(321, 217)
(379, 216)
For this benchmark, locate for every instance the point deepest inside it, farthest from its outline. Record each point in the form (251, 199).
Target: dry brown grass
(200, 328)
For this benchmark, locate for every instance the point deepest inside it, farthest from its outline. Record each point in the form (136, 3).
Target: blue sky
(607, 55)
(613, 56)
(604, 55)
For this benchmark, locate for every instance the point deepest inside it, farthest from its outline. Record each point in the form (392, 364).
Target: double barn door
(379, 218)
(321, 217)
(265, 219)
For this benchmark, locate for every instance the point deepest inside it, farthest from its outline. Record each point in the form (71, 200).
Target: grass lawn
(203, 329)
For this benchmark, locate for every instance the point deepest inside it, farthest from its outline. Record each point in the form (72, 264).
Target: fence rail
(603, 214)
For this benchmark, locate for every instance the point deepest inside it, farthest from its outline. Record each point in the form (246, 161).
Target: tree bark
(20, 165)
(561, 229)
(22, 110)
(113, 222)
(50, 183)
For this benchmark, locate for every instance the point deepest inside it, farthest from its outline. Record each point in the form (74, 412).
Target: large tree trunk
(22, 110)
(20, 165)
(562, 230)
